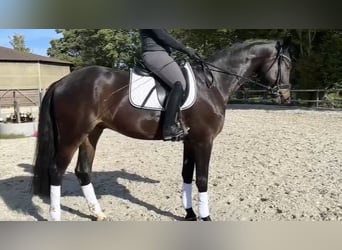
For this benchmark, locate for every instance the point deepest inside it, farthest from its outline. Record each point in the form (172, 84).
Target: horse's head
(276, 68)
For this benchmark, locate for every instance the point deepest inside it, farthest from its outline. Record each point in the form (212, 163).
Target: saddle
(147, 91)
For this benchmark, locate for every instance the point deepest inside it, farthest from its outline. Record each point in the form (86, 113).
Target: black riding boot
(171, 131)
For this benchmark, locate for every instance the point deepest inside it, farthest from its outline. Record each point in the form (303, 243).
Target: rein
(274, 90)
(219, 70)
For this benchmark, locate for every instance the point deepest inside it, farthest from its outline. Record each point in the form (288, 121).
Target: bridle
(278, 85)
(275, 89)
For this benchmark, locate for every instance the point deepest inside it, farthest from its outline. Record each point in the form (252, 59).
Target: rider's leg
(171, 130)
(162, 65)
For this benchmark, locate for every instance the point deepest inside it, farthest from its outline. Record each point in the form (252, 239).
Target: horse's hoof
(101, 217)
(190, 218)
(205, 218)
(190, 215)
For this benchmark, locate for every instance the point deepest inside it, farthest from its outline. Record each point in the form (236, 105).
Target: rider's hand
(192, 53)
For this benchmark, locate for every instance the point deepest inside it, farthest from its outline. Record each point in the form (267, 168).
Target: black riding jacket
(160, 40)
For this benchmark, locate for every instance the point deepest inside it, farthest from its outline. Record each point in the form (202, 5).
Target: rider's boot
(171, 129)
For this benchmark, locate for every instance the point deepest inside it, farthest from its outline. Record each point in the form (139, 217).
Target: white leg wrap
(203, 206)
(187, 195)
(89, 194)
(55, 203)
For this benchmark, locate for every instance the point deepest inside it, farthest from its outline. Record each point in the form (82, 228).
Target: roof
(11, 55)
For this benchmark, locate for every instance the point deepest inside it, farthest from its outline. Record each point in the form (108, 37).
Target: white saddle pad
(141, 86)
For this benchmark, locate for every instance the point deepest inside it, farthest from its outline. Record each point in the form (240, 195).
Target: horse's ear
(286, 42)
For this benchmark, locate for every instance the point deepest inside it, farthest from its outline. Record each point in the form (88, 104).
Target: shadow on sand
(17, 195)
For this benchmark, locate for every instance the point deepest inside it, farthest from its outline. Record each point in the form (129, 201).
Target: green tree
(331, 54)
(316, 53)
(275, 34)
(115, 48)
(319, 58)
(205, 41)
(18, 43)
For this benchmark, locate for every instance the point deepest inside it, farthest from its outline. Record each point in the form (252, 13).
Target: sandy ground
(267, 165)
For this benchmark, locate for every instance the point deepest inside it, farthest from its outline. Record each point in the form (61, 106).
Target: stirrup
(174, 135)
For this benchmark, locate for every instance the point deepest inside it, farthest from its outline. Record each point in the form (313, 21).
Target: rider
(157, 45)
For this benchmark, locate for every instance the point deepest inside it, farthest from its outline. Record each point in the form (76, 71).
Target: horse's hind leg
(83, 171)
(65, 152)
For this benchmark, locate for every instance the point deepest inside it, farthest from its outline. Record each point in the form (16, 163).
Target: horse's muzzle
(285, 96)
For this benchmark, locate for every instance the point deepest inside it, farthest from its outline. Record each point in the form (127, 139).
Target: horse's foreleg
(202, 153)
(83, 172)
(187, 174)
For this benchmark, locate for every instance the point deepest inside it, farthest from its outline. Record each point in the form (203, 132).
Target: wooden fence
(301, 97)
(23, 97)
(23, 103)
(331, 98)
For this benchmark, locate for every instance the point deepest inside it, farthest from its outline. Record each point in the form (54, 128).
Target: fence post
(317, 98)
(16, 107)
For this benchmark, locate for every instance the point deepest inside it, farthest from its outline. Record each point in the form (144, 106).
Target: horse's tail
(46, 145)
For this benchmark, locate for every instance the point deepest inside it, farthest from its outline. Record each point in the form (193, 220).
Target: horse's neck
(228, 84)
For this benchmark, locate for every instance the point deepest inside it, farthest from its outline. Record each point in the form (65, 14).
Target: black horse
(77, 108)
